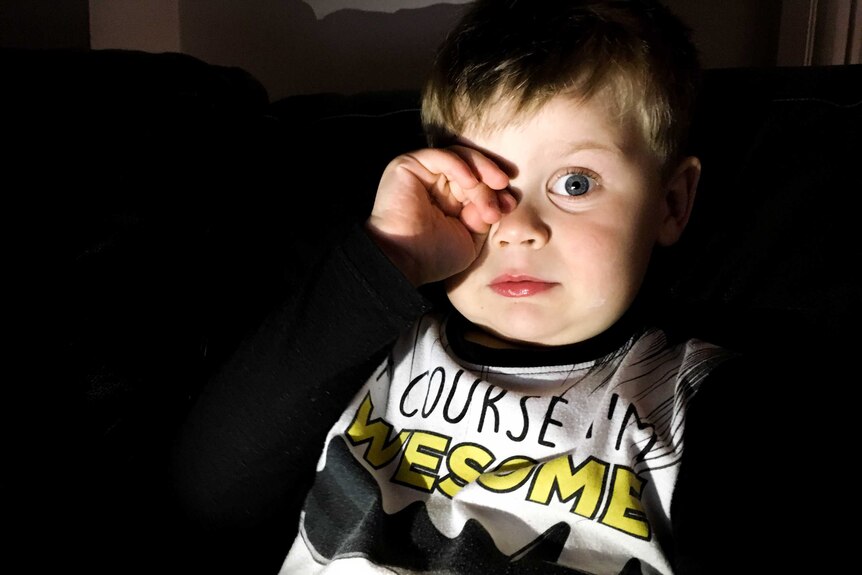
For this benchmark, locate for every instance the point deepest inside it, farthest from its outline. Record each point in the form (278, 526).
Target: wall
(732, 33)
(290, 50)
(151, 25)
(296, 46)
(44, 24)
(820, 32)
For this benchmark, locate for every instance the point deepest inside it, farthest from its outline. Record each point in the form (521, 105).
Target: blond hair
(521, 53)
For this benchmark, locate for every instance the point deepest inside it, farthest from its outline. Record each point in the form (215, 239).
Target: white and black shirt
(447, 463)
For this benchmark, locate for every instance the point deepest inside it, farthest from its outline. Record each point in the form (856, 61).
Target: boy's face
(567, 262)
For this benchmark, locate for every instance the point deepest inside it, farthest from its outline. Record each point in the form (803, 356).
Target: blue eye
(573, 184)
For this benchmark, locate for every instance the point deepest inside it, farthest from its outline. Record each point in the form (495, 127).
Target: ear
(679, 193)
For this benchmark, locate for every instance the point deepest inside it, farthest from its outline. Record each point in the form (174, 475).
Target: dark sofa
(157, 206)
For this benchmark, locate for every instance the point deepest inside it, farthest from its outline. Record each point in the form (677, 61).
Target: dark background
(286, 46)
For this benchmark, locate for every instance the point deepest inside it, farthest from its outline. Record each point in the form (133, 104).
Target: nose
(523, 226)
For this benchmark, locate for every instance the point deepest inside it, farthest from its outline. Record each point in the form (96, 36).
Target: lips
(519, 285)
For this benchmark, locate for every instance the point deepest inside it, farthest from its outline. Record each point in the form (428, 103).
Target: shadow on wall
(284, 45)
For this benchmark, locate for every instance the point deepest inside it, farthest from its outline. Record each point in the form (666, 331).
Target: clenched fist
(434, 208)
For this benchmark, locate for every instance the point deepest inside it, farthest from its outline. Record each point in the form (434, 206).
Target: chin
(528, 333)
(543, 331)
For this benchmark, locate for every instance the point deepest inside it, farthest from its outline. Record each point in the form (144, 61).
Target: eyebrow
(581, 145)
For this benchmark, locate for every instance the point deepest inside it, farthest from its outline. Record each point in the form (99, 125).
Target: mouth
(519, 286)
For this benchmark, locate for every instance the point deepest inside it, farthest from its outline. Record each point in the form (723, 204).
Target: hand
(434, 209)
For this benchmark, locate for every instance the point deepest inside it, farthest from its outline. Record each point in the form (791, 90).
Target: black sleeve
(247, 453)
(753, 485)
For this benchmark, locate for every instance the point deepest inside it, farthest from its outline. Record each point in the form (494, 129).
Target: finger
(490, 196)
(484, 168)
(473, 219)
(455, 184)
(430, 163)
(450, 175)
(484, 201)
(507, 201)
(448, 196)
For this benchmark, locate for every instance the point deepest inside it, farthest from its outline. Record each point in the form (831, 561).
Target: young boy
(536, 421)
(541, 421)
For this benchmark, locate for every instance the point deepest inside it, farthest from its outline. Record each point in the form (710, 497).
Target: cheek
(468, 277)
(594, 244)
(457, 289)
(610, 256)
(637, 226)
(451, 285)
(463, 296)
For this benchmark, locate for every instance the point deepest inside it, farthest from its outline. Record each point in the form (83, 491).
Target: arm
(265, 413)
(247, 453)
(743, 493)
(254, 434)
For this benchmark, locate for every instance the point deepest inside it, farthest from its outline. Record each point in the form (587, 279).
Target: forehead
(561, 125)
